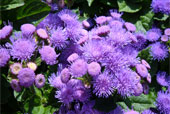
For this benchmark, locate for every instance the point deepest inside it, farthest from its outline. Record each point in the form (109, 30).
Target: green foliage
(10, 4)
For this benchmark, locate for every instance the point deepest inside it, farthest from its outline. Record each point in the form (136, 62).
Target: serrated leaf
(126, 6)
(10, 4)
(32, 7)
(90, 2)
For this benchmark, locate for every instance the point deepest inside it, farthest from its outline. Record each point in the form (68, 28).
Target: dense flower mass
(104, 60)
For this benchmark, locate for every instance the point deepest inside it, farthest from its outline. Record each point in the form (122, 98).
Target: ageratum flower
(81, 94)
(86, 24)
(26, 77)
(159, 51)
(5, 31)
(153, 34)
(78, 68)
(58, 38)
(103, 31)
(39, 80)
(94, 68)
(103, 85)
(146, 64)
(48, 55)
(138, 89)
(101, 20)
(15, 68)
(72, 57)
(15, 85)
(142, 70)
(4, 56)
(163, 102)
(161, 78)
(130, 27)
(125, 82)
(117, 110)
(21, 48)
(131, 112)
(65, 94)
(161, 6)
(148, 111)
(116, 24)
(55, 81)
(42, 33)
(167, 31)
(28, 29)
(65, 75)
(164, 38)
(115, 14)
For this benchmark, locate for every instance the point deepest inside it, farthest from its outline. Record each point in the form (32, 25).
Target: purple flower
(73, 57)
(26, 77)
(48, 55)
(138, 89)
(101, 20)
(125, 82)
(85, 24)
(131, 112)
(81, 94)
(94, 68)
(161, 78)
(28, 29)
(118, 110)
(148, 78)
(159, 51)
(146, 64)
(15, 68)
(103, 31)
(145, 88)
(55, 81)
(130, 27)
(42, 33)
(5, 31)
(4, 57)
(161, 6)
(22, 48)
(153, 34)
(115, 14)
(164, 38)
(87, 108)
(78, 68)
(163, 102)
(15, 85)
(65, 75)
(39, 81)
(103, 85)
(167, 31)
(58, 39)
(65, 94)
(141, 70)
(116, 24)
(148, 111)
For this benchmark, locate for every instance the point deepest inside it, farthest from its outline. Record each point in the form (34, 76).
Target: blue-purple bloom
(65, 75)
(163, 102)
(42, 33)
(141, 70)
(5, 32)
(101, 20)
(161, 6)
(164, 38)
(28, 29)
(94, 68)
(26, 77)
(58, 38)
(130, 27)
(39, 80)
(161, 78)
(48, 55)
(15, 85)
(148, 111)
(159, 51)
(138, 89)
(103, 85)
(153, 34)
(4, 57)
(167, 31)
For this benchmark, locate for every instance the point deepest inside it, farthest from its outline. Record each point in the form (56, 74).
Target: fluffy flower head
(4, 57)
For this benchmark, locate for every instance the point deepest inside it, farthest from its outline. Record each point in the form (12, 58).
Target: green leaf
(161, 17)
(32, 7)
(147, 19)
(10, 4)
(90, 2)
(139, 26)
(126, 6)
(38, 61)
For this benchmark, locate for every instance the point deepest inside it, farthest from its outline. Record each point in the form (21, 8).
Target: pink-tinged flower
(164, 38)
(39, 81)
(167, 31)
(116, 24)
(131, 112)
(109, 18)
(65, 75)
(153, 34)
(163, 102)
(15, 68)
(130, 27)
(115, 14)
(86, 24)
(48, 55)
(73, 57)
(94, 68)
(101, 20)
(148, 78)
(146, 64)
(159, 51)
(141, 70)
(4, 57)
(132, 37)
(5, 32)
(103, 31)
(28, 29)
(78, 68)
(15, 85)
(26, 77)
(103, 85)
(42, 33)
